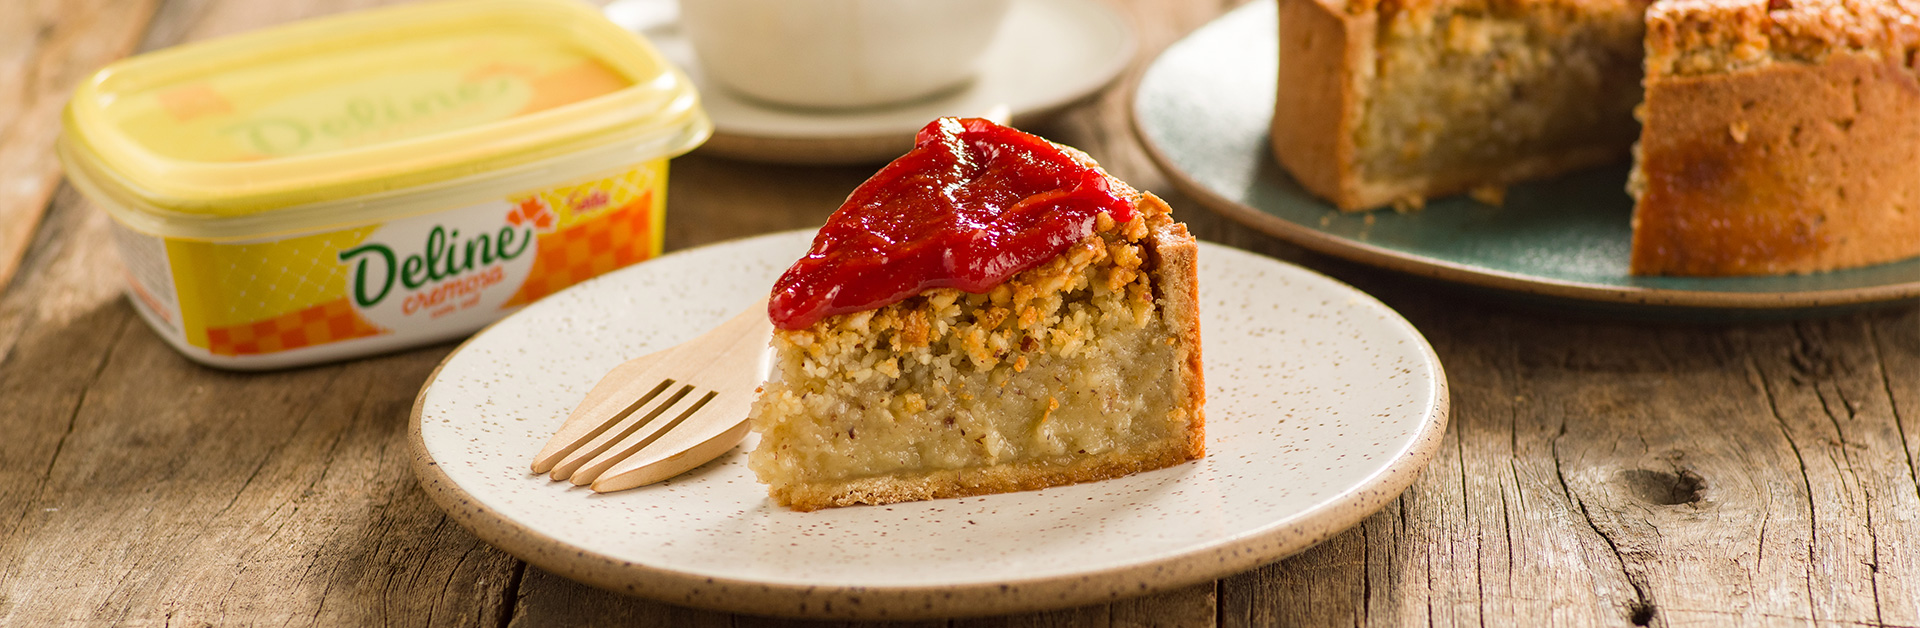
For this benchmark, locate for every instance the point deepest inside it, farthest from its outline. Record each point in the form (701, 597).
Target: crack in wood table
(1596, 472)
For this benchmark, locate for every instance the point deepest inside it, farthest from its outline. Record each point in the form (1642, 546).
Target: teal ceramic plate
(1203, 108)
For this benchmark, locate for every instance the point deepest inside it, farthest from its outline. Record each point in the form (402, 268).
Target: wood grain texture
(46, 48)
(1597, 473)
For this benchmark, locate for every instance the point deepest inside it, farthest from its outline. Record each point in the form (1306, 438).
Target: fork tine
(601, 408)
(638, 440)
(696, 438)
(610, 398)
(569, 467)
(635, 440)
(605, 431)
(704, 436)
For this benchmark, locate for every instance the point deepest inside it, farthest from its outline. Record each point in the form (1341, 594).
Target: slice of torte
(1781, 136)
(991, 312)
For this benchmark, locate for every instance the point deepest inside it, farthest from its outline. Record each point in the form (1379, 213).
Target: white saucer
(1048, 55)
(1322, 406)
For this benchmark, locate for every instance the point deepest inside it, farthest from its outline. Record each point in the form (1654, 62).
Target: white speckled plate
(1322, 405)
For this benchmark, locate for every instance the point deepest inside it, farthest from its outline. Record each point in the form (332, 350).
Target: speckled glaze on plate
(1203, 109)
(1322, 405)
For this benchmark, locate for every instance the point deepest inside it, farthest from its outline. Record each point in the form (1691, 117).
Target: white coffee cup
(840, 53)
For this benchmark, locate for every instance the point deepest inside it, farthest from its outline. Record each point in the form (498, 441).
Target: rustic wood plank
(1196, 606)
(1895, 340)
(142, 488)
(1831, 400)
(46, 48)
(549, 600)
(1630, 474)
(145, 489)
(55, 337)
(711, 199)
(1593, 441)
(1701, 472)
(276, 497)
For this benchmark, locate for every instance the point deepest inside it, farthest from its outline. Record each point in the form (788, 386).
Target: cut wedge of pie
(991, 312)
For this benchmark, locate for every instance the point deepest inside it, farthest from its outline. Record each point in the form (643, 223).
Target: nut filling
(1068, 372)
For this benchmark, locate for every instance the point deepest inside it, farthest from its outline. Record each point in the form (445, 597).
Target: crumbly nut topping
(1568, 12)
(1035, 311)
(1691, 37)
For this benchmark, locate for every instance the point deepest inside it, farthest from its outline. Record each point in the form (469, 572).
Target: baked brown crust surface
(1174, 257)
(1003, 478)
(1778, 141)
(1325, 55)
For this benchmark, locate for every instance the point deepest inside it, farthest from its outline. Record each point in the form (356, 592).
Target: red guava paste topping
(973, 204)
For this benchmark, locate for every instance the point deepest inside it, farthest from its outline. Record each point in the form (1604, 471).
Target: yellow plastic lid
(346, 118)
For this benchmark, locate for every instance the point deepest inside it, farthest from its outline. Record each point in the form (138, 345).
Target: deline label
(436, 275)
(457, 265)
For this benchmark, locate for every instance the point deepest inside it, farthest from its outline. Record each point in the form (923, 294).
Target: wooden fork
(660, 414)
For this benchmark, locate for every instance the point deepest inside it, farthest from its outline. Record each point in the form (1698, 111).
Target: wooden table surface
(1596, 472)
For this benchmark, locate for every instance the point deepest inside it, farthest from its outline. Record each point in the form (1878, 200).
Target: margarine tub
(361, 183)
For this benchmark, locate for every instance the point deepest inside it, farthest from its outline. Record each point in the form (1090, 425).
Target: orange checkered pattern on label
(332, 321)
(591, 248)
